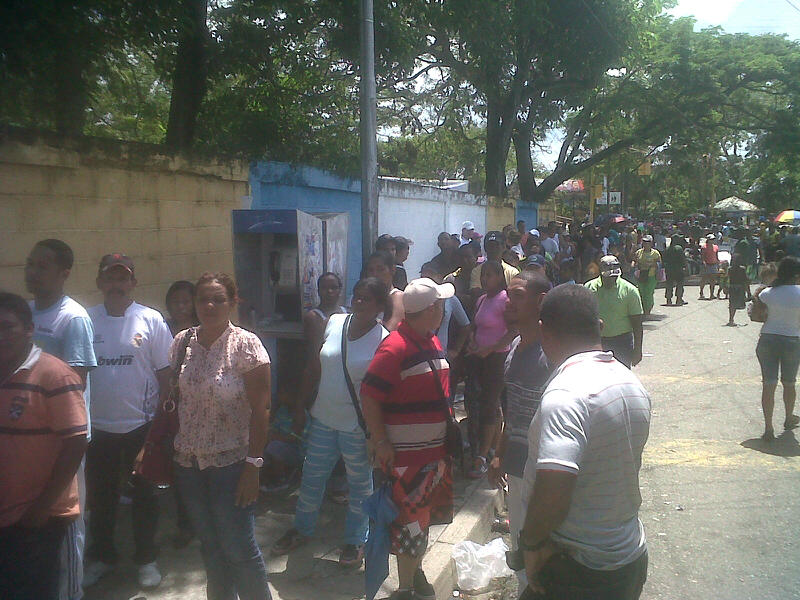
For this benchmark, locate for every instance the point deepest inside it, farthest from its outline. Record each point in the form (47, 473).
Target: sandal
(791, 422)
(288, 542)
(768, 436)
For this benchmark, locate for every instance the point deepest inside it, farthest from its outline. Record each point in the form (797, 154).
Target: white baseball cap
(468, 225)
(609, 266)
(421, 293)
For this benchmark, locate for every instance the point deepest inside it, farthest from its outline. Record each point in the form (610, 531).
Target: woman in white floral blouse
(224, 415)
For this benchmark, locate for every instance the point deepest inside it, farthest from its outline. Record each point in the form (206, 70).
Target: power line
(793, 5)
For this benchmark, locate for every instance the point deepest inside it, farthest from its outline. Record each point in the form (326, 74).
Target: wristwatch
(256, 461)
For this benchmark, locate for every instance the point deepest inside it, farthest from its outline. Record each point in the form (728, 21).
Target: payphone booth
(278, 256)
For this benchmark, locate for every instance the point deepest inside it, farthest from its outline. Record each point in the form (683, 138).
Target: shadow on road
(785, 444)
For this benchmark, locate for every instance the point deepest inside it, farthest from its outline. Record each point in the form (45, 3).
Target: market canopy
(734, 204)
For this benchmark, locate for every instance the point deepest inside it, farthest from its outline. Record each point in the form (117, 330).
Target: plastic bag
(477, 565)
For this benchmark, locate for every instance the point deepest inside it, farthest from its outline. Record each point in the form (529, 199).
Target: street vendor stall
(735, 208)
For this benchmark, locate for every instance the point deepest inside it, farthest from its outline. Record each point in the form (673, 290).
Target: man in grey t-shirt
(526, 372)
(582, 536)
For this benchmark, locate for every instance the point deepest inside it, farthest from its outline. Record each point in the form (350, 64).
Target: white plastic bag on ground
(477, 565)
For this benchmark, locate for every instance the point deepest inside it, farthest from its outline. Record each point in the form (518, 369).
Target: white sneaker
(149, 575)
(94, 571)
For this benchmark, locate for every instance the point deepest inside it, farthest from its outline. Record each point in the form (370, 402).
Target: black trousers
(30, 560)
(109, 460)
(621, 346)
(563, 578)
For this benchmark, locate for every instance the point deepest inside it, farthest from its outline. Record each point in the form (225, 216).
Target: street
(718, 503)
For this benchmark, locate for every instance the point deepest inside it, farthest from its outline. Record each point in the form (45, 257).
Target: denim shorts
(775, 351)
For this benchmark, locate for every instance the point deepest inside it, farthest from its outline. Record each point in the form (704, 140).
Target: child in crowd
(283, 454)
(724, 281)
(738, 288)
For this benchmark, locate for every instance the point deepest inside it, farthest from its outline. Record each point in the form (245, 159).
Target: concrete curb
(473, 521)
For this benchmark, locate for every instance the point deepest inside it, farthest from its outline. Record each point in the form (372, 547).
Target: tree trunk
(71, 98)
(189, 77)
(525, 176)
(495, 161)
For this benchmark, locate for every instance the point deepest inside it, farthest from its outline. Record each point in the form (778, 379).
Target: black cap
(493, 236)
(535, 260)
(115, 259)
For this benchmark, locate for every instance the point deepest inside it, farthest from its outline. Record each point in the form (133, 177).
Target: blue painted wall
(281, 185)
(529, 213)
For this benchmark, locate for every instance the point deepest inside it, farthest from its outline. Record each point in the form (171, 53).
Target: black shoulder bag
(351, 388)
(453, 439)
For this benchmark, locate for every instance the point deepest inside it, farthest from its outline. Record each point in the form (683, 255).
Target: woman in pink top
(488, 349)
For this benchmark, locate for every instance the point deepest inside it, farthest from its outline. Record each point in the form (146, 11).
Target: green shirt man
(621, 311)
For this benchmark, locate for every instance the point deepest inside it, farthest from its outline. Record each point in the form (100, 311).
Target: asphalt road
(719, 505)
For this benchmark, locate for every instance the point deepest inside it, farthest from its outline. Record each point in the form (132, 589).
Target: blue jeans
(232, 557)
(774, 351)
(325, 445)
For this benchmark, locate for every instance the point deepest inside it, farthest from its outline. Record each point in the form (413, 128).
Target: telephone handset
(283, 269)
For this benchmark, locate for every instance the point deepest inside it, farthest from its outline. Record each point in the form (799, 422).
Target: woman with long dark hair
(779, 344)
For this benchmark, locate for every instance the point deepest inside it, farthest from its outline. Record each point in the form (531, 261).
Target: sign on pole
(603, 198)
(615, 197)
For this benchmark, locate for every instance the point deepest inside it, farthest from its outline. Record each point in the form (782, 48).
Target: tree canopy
(467, 88)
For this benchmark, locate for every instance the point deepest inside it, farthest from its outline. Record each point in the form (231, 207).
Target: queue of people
(514, 315)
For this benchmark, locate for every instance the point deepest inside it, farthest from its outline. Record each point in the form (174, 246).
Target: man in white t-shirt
(62, 328)
(132, 346)
(582, 535)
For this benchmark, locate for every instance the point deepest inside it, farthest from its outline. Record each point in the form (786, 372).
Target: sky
(744, 16)
(734, 16)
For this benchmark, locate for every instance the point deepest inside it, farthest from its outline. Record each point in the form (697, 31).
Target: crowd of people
(539, 327)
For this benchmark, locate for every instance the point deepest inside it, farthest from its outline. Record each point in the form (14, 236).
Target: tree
(525, 61)
(189, 75)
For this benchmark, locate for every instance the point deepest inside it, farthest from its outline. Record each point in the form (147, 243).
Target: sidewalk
(310, 572)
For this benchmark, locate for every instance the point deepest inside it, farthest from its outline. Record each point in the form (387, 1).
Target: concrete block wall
(170, 214)
(500, 212)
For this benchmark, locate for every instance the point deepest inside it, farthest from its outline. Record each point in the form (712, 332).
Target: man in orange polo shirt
(42, 442)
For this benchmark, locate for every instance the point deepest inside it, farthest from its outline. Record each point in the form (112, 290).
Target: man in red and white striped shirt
(405, 400)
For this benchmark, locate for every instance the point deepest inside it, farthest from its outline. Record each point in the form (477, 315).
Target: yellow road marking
(720, 453)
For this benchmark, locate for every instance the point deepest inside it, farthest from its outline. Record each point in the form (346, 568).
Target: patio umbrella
(792, 217)
(734, 204)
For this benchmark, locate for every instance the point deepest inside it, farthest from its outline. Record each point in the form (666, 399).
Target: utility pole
(368, 127)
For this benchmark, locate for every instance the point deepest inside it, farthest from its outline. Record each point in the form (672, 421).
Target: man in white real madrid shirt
(132, 345)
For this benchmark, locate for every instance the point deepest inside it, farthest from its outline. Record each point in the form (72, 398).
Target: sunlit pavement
(720, 507)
